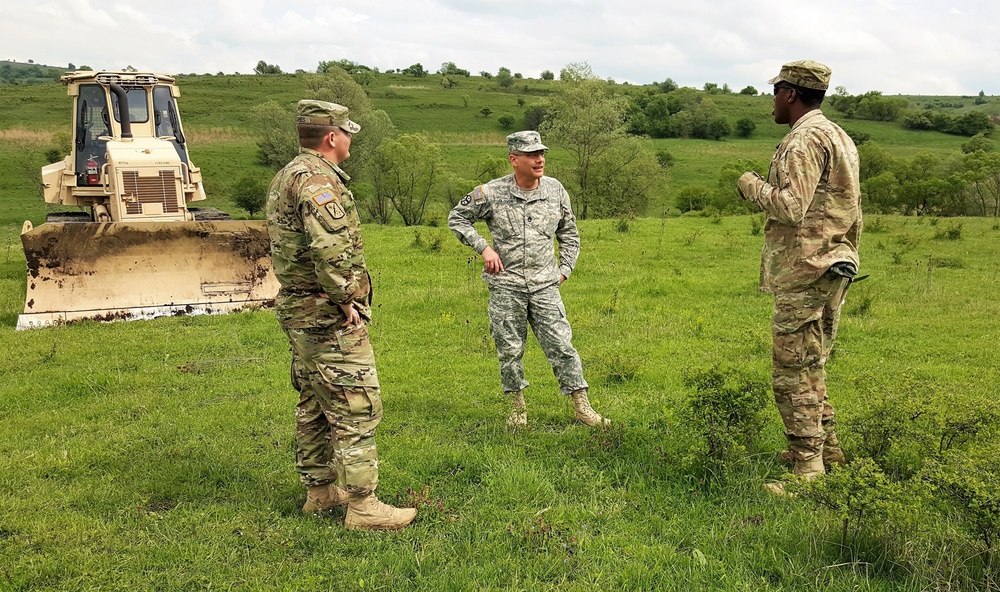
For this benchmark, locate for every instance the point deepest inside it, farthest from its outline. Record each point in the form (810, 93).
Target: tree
(486, 75)
(277, 139)
(711, 88)
(668, 85)
(506, 121)
(416, 70)
(72, 67)
(749, 90)
(624, 176)
(589, 123)
(879, 192)
(577, 72)
(874, 160)
(547, 75)
(491, 167)
(533, 117)
(404, 171)
(486, 111)
(450, 69)
(250, 193)
(263, 67)
(504, 78)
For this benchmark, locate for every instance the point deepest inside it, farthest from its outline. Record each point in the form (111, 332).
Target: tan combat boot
(368, 513)
(584, 412)
(519, 413)
(805, 470)
(320, 498)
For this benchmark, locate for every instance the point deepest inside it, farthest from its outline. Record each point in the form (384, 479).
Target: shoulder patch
(336, 210)
(321, 199)
(478, 195)
(466, 200)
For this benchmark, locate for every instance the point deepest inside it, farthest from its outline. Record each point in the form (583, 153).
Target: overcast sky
(945, 47)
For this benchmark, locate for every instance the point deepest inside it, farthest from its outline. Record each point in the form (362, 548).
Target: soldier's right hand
(494, 264)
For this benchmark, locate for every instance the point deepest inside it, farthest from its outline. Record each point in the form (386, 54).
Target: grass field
(159, 455)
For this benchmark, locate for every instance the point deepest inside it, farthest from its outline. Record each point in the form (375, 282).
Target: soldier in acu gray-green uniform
(323, 305)
(525, 211)
(812, 199)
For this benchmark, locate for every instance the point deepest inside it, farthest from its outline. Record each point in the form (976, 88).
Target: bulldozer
(134, 249)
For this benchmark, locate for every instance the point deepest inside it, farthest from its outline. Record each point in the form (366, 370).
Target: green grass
(159, 455)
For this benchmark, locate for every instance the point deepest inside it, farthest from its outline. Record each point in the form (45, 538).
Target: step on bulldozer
(133, 249)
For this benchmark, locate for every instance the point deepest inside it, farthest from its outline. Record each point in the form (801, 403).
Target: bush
(745, 127)
(726, 410)
(858, 492)
(693, 197)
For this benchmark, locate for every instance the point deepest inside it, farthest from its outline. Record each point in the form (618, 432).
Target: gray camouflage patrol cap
(324, 113)
(804, 73)
(527, 141)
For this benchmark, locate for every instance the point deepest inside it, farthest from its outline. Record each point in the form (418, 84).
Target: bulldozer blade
(142, 270)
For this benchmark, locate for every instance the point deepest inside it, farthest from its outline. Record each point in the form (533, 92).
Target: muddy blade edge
(133, 271)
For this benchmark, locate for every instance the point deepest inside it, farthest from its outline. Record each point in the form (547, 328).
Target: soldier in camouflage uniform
(524, 212)
(323, 305)
(812, 199)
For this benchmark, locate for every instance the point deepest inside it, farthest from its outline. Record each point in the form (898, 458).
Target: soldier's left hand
(353, 318)
(749, 185)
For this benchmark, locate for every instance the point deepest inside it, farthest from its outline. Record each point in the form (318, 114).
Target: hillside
(216, 112)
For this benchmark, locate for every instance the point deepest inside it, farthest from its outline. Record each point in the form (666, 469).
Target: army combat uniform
(523, 225)
(812, 200)
(318, 257)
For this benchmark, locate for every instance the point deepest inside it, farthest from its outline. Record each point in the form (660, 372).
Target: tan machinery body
(137, 251)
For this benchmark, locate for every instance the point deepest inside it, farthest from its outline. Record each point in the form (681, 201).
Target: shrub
(726, 410)
(745, 127)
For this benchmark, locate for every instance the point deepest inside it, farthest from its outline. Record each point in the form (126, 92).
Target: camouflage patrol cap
(526, 141)
(804, 73)
(324, 113)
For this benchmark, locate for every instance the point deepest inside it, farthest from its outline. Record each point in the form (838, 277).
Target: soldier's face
(528, 165)
(783, 98)
(341, 145)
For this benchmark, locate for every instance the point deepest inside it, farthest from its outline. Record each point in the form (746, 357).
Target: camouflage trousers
(803, 329)
(510, 314)
(340, 405)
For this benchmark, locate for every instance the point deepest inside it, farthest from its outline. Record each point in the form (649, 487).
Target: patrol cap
(804, 73)
(324, 113)
(527, 141)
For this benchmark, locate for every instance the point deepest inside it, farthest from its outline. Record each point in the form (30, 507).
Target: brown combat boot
(833, 455)
(519, 413)
(320, 498)
(584, 412)
(368, 513)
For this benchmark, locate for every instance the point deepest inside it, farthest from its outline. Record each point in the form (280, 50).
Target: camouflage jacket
(316, 244)
(812, 198)
(523, 225)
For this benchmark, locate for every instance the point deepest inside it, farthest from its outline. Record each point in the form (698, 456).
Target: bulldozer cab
(93, 125)
(129, 159)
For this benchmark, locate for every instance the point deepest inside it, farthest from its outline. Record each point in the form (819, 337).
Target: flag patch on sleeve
(321, 199)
